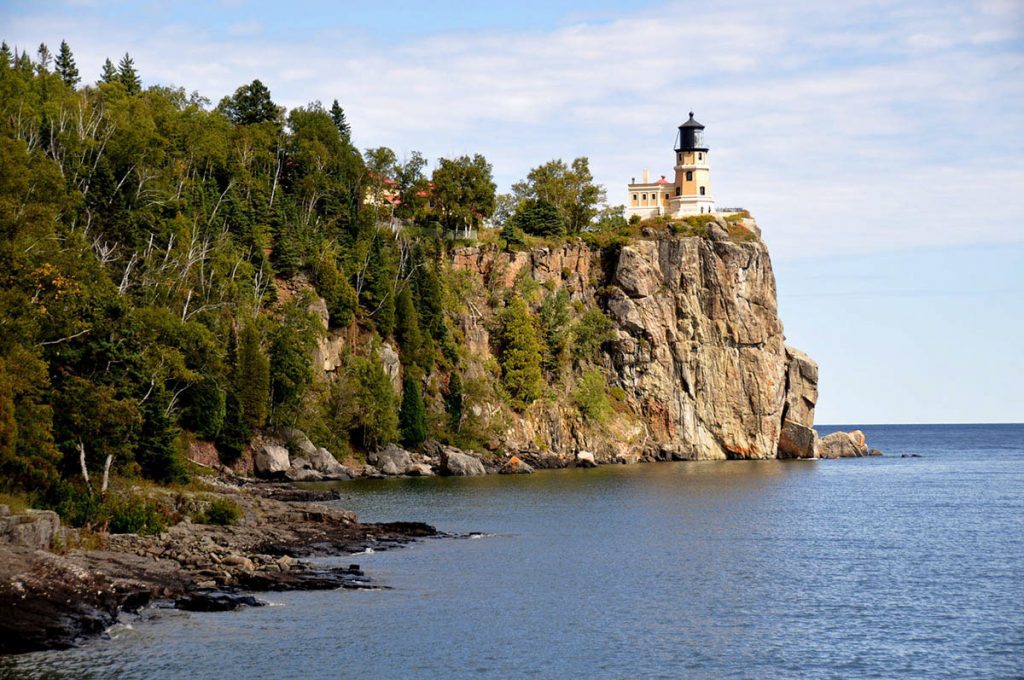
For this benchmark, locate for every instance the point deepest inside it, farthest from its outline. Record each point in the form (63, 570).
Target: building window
(645, 197)
(680, 158)
(700, 156)
(678, 191)
(634, 197)
(689, 175)
(702, 191)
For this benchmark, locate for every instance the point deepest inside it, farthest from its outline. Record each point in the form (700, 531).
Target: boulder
(36, 529)
(391, 460)
(797, 441)
(515, 466)
(842, 445)
(458, 463)
(585, 459)
(324, 462)
(272, 459)
(419, 470)
(298, 441)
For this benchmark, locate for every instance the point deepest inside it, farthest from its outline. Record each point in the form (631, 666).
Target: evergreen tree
(554, 322)
(43, 58)
(539, 217)
(252, 378)
(377, 298)
(338, 116)
(5, 55)
(407, 327)
(206, 408)
(337, 292)
(128, 76)
(412, 418)
(453, 401)
(249, 105)
(66, 67)
(520, 354)
(157, 453)
(109, 73)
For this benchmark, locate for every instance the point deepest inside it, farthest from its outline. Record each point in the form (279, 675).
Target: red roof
(663, 180)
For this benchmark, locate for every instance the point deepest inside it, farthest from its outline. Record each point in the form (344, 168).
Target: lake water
(869, 568)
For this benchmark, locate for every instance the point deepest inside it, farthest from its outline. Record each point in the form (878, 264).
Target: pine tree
(109, 74)
(43, 58)
(453, 401)
(338, 116)
(66, 67)
(407, 327)
(249, 105)
(128, 76)
(157, 452)
(412, 417)
(252, 378)
(5, 55)
(520, 354)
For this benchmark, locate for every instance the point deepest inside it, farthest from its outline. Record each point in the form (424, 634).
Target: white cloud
(873, 126)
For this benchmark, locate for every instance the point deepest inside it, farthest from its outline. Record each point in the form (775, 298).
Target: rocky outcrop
(585, 459)
(698, 349)
(798, 438)
(50, 600)
(34, 529)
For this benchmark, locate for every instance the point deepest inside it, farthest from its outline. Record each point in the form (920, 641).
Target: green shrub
(591, 396)
(131, 514)
(221, 512)
(592, 330)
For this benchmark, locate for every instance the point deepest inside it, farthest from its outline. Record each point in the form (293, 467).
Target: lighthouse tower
(693, 175)
(689, 194)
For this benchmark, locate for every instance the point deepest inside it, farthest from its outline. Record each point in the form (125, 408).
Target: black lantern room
(691, 136)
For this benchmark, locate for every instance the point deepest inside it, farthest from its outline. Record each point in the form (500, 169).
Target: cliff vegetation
(182, 280)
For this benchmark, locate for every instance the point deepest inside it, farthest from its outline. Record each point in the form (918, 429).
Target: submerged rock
(216, 601)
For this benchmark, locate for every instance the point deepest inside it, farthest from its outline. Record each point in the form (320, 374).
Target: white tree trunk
(106, 475)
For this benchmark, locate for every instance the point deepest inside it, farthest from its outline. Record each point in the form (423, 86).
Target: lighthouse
(689, 193)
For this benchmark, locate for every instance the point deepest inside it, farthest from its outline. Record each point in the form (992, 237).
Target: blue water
(857, 568)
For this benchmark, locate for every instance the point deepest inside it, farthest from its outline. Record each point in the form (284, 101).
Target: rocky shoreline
(287, 458)
(52, 599)
(51, 596)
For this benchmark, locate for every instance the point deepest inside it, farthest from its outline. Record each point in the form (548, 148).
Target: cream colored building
(690, 191)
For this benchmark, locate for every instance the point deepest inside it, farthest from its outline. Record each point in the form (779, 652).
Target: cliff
(697, 354)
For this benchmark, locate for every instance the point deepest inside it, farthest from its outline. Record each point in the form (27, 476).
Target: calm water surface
(880, 568)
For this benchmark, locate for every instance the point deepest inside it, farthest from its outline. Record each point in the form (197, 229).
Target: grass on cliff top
(17, 502)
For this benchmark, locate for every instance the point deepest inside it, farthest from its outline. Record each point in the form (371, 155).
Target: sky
(879, 143)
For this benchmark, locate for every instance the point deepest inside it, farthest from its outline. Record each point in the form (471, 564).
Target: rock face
(843, 445)
(798, 438)
(698, 350)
